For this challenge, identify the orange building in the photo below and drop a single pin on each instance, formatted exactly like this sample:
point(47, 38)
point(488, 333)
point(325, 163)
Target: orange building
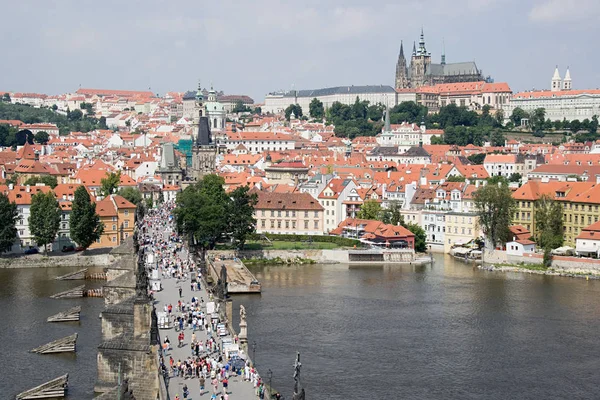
point(118, 216)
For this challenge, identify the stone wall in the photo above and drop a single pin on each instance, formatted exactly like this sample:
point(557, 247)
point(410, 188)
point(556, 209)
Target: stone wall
point(72, 260)
point(115, 324)
point(571, 264)
point(320, 256)
point(114, 295)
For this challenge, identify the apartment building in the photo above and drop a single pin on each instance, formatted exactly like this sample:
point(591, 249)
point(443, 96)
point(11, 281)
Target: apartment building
point(332, 200)
point(118, 216)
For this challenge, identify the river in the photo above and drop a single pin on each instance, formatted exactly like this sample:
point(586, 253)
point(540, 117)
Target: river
point(24, 307)
point(447, 331)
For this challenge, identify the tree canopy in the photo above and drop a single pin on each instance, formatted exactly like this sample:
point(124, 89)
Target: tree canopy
point(44, 219)
point(110, 183)
point(293, 108)
point(47, 180)
point(85, 224)
point(8, 222)
point(316, 109)
point(549, 223)
point(420, 236)
point(41, 137)
point(370, 209)
point(495, 208)
point(206, 214)
point(131, 194)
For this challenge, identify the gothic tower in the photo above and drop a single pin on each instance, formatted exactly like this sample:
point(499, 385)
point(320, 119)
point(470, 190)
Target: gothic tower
point(420, 64)
point(401, 70)
point(204, 150)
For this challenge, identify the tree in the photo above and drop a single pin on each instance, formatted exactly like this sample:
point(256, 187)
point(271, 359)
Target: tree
point(202, 212)
point(515, 177)
point(594, 125)
point(102, 123)
point(293, 108)
point(456, 178)
point(54, 107)
point(316, 109)
point(370, 209)
point(75, 115)
point(499, 118)
point(41, 137)
point(549, 223)
point(110, 183)
point(24, 136)
point(575, 126)
point(6, 98)
point(149, 203)
point(241, 215)
point(495, 208)
point(8, 222)
point(517, 115)
point(44, 219)
point(537, 119)
point(420, 237)
point(393, 212)
point(477, 159)
point(131, 194)
point(47, 180)
point(85, 224)
point(437, 140)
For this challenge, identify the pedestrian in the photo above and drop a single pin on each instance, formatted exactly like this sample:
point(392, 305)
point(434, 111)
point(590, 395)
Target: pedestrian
point(225, 383)
point(202, 382)
point(185, 391)
point(180, 291)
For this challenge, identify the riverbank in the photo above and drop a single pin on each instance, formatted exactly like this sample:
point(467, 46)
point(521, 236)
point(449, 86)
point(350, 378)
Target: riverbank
point(56, 260)
point(538, 269)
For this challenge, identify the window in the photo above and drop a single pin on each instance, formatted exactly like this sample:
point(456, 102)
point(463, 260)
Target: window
point(287, 213)
point(316, 224)
point(272, 213)
point(316, 214)
point(305, 224)
point(114, 219)
point(272, 224)
point(126, 213)
point(114, 228)
point(126, 235)
point(287, 224)
point(279, 213)
point(305, 214)
point(114, 239)
point(293, 224)
point(279, 224)
point(262, 213)
point(262, 223)
point(126, 223)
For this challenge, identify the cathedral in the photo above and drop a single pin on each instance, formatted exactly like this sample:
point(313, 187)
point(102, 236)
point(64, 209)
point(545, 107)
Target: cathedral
point(422, 72)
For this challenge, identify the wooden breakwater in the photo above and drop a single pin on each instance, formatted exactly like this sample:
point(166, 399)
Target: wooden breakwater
point(56, 388)
point(72, 314)
point(62, 345)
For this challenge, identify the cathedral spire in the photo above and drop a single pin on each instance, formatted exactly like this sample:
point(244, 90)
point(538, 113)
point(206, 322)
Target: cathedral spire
point(401, 55)
point(556, 81)
point(422, 49)
point(443, 52)
point(414, 52)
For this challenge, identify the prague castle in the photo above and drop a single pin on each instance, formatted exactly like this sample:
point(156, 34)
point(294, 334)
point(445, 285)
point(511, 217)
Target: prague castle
point(422, 72)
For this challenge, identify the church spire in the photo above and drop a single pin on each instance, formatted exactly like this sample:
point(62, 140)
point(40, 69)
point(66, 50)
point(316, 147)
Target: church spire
point(401, 55)
point(556, 81)
point(443, 52)
point(422, 49)
point(414, 52)
point(567, 80)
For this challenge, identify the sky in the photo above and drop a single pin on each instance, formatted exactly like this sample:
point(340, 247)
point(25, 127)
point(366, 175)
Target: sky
point(255, 47)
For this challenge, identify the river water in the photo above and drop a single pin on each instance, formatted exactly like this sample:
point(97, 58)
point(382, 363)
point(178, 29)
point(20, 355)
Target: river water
point(444, 332)
point(24, 307)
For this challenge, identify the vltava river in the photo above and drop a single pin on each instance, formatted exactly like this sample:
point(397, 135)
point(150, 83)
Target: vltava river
point(444, 332)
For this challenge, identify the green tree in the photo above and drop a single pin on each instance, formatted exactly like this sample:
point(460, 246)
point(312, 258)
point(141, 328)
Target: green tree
point(8, 222)
point(495, 208)
point(6, 98)
point(85, 224)
point(370, 209)
point(44, 220)
point(477, 159)
point(47, 180)
point(201, 212)
point(240, 215)
point(395, 216)
point(575, 125)
point(54, 107)
point(517, 115)
point(456, 178)
point(24, 136)
point(437, 140)
point(549, 223)
point(110, 183)
point(75, 115)
point(149, 202)
point(316, 109)
point(131, 194)
point(515, 177)
point(293, 108)
point(537, 119)
point(41, 137)
point(594, 125)
point(499, 118)
point(420, 237)
point(102, 123)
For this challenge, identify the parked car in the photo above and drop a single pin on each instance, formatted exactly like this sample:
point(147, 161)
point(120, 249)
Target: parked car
point(67, 249)
point(32, 250)
point(79, 248)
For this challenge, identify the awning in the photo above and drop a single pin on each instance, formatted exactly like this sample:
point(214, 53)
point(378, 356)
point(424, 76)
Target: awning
point(460, 251)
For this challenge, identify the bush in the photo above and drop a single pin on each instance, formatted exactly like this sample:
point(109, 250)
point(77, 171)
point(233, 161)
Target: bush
point(341, 241)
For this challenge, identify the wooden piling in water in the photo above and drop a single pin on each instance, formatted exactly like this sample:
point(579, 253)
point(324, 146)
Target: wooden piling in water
point(56, 388)
point(72, 314)
point(69, 294)
point(63, 345)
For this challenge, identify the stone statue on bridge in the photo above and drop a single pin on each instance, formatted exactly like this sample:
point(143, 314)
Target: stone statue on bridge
point(222, 283)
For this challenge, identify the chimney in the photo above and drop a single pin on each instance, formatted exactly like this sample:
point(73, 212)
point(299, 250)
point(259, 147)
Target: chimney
point(28, 188)
point(36, 156)
point(64, 196)
point(11, 186)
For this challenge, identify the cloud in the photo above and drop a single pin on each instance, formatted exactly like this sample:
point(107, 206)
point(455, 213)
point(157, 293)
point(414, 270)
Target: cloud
point(563, 11)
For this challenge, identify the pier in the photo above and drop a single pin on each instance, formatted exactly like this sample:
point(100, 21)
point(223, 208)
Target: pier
point(70, 293)
point(385, 256)
point(239, 277)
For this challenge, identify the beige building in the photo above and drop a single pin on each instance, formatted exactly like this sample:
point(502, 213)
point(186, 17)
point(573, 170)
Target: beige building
point(288, 213)
point(461, 228)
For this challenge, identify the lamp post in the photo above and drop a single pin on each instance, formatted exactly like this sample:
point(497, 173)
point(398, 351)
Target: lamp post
point(270, 383)
point(254, 352)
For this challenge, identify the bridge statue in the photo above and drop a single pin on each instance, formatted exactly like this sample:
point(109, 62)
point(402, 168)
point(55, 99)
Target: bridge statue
point(222, 283)
point(298, 389)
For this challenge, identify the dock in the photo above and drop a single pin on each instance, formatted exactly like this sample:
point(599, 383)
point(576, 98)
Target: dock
point(56, 388)
point(70, 294)
point(239, 277)
point(63, 345)
point(381, 256)
point(72, 314)
point(77, 275)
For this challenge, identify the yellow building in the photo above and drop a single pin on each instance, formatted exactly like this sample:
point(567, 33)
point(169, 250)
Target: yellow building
point(118, 216)
point(288, 213)
point(461, 228)
point(580, 202)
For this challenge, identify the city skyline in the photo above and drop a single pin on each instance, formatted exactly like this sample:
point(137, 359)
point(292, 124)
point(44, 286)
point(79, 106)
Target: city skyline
point(267, 46)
